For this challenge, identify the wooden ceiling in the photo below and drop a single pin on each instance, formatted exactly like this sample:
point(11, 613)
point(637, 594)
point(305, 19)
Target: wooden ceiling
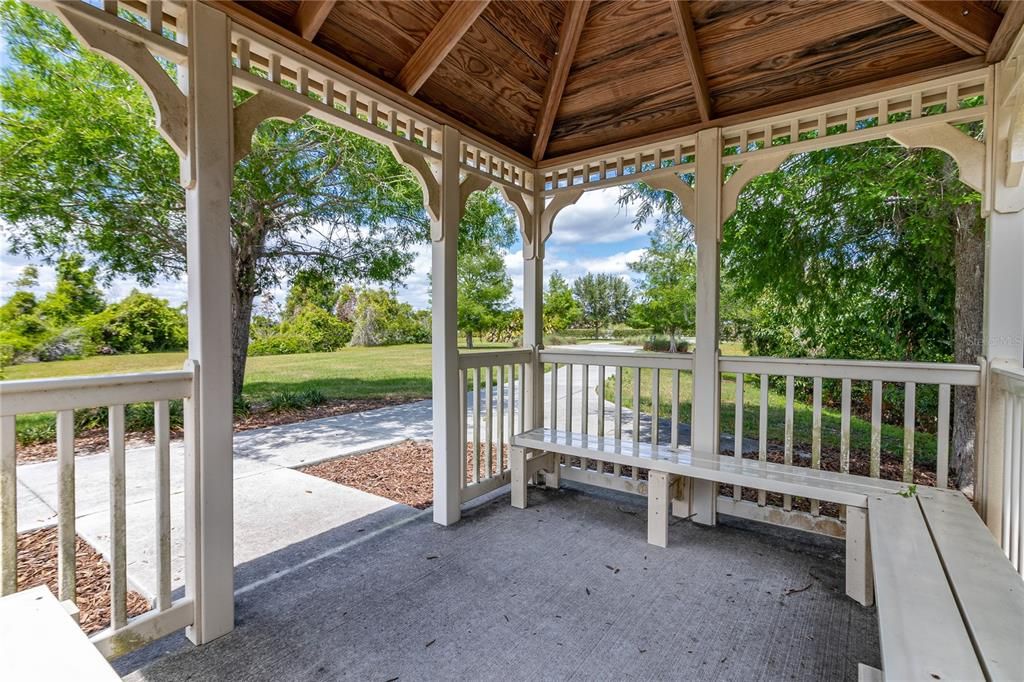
point(550, 78)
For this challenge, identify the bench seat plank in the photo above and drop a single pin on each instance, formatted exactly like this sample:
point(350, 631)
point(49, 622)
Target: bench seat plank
point(40, 641)
point(920, 629)
point(801, 481)
point(990, 593)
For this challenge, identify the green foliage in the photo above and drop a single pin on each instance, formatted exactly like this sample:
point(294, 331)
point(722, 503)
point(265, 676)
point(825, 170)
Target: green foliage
point(287, 401)
point(561, 311)
point(141, 323)
point(603, 299)
point(310, 288)
point(484, 290)
point(381, 320)
point(668, 288)
point(76, 294)
point(310, 330)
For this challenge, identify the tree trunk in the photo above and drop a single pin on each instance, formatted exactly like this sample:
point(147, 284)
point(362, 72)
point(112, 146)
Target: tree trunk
point(672, 341)
point(469, 339)
point(246, 256)
point(968, 327)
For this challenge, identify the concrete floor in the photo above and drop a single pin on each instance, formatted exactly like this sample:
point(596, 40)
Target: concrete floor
point(567, 589)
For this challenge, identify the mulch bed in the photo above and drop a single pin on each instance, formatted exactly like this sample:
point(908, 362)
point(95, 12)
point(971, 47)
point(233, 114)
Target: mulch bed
point(94, 441)
point(403, 473)
point(37, 565)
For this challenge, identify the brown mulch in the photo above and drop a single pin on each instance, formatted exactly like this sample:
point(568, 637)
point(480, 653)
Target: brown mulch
point(94, 441)
point(403, 472)
point(37, 565)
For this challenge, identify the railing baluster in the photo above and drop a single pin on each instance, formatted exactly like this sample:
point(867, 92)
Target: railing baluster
point(118, 528)
point(463, 420)
point(162, 466)
point(489, 416)
point(637, 377)
point(66, 505)
point(675, 408)
point(155, 14)
point(737, 431)
point(585, 411)
point(1015, 475)
point(1010, 410)
point(553, 406)
point(616, 468)
point(501, 420)
point(512, 400)
point(600, 400)
point(844, 438)
point(568, 396)
point(876, 428)
point(523, 369)
point(816, 436)
point(762, 439)
point(942, 447)
point(787, 500)
point(476, 425)
point(8, 507)
point(909, 420)
point(655, 404)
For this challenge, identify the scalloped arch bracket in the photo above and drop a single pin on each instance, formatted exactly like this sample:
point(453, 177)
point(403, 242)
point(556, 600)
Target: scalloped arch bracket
point(968, 153)
point(257, 109)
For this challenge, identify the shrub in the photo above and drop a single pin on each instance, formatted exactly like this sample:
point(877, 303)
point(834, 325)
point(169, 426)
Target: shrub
point(312, 330)
point(283, 401)
point(662, 344)
point(64, 345)
point(381, 320)
point(141, 323)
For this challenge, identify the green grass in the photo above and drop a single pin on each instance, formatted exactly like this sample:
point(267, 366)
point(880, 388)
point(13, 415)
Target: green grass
point(394, 372)
point(860, 429)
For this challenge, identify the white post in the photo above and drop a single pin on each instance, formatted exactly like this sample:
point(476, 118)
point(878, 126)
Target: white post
point(533, 310)
point(448, 451)
point(1004, 284)
point(704, 429)
point(207, 175)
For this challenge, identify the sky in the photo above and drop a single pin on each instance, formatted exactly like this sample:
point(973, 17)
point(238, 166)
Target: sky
point(594, 235)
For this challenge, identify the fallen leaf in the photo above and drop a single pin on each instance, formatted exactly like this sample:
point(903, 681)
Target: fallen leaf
point(429, 643)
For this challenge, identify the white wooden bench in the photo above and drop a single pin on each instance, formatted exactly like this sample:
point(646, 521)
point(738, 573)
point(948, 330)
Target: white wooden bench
point(40, 641)
point(950, 606)
point(668, 469)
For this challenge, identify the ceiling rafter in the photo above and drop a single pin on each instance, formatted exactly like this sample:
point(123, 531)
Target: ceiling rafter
point(568, 39)
point(1010, 26)
point(688, 37)
point(311, 15)
point(438, 43)
point(967, 24)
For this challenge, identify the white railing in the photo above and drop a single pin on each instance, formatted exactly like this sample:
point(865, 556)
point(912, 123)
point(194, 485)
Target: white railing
point(114, 392)
point(1003, 474)
point(576, 401)
point(493, 402)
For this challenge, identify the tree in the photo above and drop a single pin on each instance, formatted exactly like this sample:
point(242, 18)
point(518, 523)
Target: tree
point(561, 311)
point(308, 196)
point(310, 288)
point(603, 299)
point(382, 320)
point(484, 288)
point(76, 294)
point(141, 323)
point(668, 289)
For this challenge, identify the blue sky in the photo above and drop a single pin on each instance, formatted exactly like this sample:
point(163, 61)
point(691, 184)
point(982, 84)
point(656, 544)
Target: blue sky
point(595, 235)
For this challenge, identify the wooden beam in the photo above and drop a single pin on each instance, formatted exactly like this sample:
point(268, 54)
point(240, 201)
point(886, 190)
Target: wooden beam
point(432, 51)
point(311, 15)
point(1009, 28)
point(569, 38)
point(688, 37)
point(966, 23)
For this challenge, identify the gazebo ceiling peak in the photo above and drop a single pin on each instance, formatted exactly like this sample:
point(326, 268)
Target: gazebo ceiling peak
point(549, 81)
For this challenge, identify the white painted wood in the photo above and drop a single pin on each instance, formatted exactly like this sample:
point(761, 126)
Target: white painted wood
point(658, 508)
point(876, 429)
point(675, 407)
point(618, 402)
point(866, 673)
point(209, 502)
point(162, 500)
point(762, 439)
point(8, 507)
point(601, 402)
point(644, 359)
point(737, 432)
point(118, 527)
point(857, 370)
point(920, 628)
point(844, 427)
point(655, 404)
point(859, 585)
point(637, 378)
point(488, 423)
point(66, 506)
point(554, 396)
point(816, 435)
point(38, 641)
point(144, 629)
point(477, 437)
point(585, 402)
point(942, 436)
point(519, 478)
point(492, 358)
point(463, 424)
point(988, 590)
point(787, 501)
point(71, 393)
point(909, 423)
point(567, 400)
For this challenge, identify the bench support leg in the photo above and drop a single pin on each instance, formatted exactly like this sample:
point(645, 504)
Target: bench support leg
point(552, 471)
point(519, 478)
point(859, 581)
point(659, 500)
point(704, 502)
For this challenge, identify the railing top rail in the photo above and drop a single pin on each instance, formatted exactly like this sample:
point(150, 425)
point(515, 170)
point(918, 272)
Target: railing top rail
point(922, 372)
point(68, 393)
point(1008, 370)
point(489, 358)
point(624, 358)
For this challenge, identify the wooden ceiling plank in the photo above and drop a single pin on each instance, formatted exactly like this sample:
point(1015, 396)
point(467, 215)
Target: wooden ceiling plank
point(569, 38)
point(432, 51)
point(1010, 26)
point(966, 23)
point(311, 15)
point(688, 37)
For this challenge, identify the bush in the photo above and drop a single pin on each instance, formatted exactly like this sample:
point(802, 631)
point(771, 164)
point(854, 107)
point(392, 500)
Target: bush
point(141, 323)
point(65, 345)
point(284, 401)
point(312, 330)
point(662, 344)
point(381, 320)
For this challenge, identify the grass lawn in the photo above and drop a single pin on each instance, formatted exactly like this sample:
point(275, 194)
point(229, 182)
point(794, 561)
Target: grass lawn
point(860, 429)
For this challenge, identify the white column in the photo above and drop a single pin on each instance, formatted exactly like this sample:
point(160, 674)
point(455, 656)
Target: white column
point(207, 174)
point(448, 450)
point(533, 310)
point(704, 429)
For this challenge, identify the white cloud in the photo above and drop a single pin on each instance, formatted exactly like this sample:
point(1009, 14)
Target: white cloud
point(596, 219)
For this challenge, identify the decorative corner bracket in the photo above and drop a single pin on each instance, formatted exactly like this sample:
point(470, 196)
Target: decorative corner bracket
point(169, 102)
point(543, 222)
point(257, 109)
point(428, 176)
point(968, 153)
point(759, 165)
point(672, 182)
